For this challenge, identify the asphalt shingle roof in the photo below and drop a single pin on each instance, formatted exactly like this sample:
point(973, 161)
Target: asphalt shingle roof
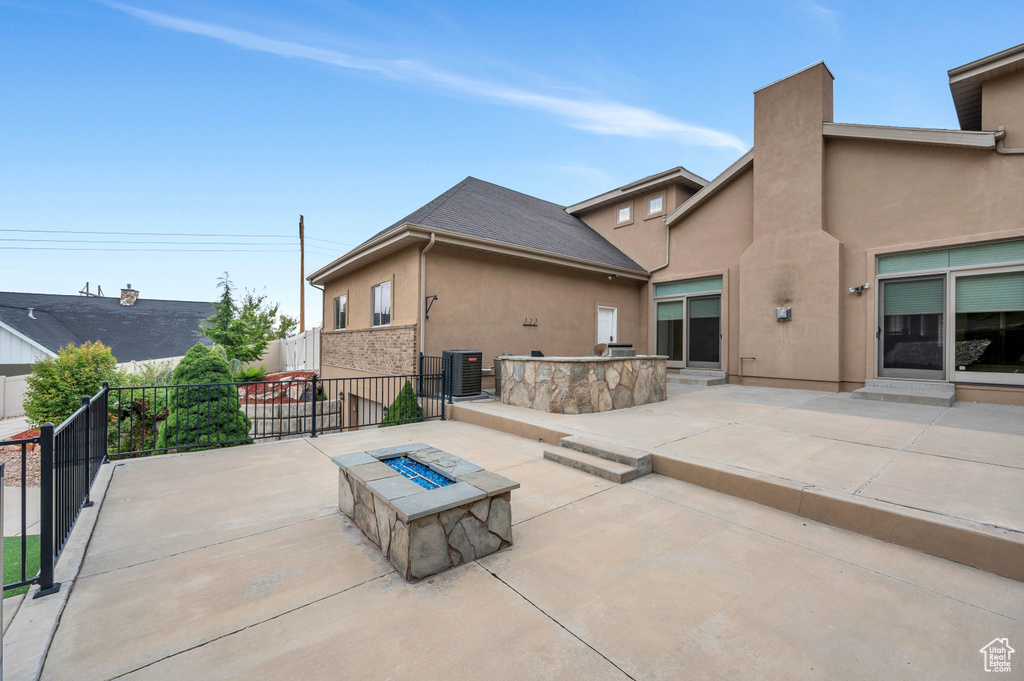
point(489, 211)
point(149, 329)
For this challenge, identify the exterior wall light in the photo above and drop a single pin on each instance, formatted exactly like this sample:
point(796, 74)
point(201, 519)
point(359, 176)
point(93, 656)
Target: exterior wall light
point(859, 289)
point(784, 314)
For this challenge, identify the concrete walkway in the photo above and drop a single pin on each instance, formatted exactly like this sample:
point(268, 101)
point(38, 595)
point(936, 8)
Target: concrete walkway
point(236, 564)
point(12, 511)
point(964, 461)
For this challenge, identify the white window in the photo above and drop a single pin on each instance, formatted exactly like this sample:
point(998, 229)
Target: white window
point(607, 324)
point(340, 310)
point(625, 213)
point(654, 205)
point(382, 304)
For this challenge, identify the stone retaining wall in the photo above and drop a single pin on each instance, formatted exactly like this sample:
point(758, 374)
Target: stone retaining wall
point(585, 385)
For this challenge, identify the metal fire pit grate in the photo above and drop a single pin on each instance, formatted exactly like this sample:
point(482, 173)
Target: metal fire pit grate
point(418, 473)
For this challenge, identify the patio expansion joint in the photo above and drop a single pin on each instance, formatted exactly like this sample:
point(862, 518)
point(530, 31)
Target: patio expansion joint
point(899, 453)
point(568, 503)
point(837, 558)
point(556, 622)
point(249, 626)
point(206, 546)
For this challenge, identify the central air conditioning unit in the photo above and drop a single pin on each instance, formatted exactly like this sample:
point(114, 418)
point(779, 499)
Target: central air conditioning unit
point(465, 369)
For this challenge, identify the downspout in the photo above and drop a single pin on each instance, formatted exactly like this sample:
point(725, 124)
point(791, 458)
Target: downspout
point(1000, 134)
point(668, 232)
point(423, 291)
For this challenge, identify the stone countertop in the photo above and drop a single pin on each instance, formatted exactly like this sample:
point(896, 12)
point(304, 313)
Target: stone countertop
point(525, 358)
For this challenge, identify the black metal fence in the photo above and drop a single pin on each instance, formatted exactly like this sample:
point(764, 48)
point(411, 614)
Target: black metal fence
point(70, 456)
point(153, 419)
point(122, 422)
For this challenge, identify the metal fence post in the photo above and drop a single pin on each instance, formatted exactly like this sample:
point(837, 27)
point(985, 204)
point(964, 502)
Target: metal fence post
point(313, 407)
point(46, 516)
point(87, 403)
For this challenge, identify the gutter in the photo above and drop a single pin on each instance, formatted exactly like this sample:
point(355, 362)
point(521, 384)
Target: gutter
point(423, 290)
point(1000, 135)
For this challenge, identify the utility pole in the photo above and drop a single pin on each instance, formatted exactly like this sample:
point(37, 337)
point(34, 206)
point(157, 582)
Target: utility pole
point(302, 276)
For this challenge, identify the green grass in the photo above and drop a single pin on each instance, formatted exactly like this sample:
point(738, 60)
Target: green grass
point(12, 561)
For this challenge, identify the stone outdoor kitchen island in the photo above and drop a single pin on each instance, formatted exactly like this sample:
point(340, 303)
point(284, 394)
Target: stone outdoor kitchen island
point(582, 385)
point(426, 509)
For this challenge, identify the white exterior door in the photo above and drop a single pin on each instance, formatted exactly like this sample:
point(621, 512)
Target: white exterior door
point(607, 324)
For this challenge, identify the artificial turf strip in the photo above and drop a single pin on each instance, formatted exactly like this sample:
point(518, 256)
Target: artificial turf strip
point(12, 561)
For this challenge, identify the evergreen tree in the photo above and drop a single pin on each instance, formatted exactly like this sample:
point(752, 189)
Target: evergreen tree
point(405, 408)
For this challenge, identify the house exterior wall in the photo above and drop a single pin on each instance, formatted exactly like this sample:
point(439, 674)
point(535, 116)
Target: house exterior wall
point(921, 197)
point(643, 239)
point(714, 237)
point(1002, 103)
point(483, 301)
point(17, 351)
point(362, 349)
point(806, 245)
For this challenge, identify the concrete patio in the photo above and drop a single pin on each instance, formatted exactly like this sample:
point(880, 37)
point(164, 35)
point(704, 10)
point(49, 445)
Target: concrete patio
point(236, 564)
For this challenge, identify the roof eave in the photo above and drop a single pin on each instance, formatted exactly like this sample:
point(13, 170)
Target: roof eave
point(30, 341)
point(674, 176)
point(964, 139)
point(410, 232)
point(712, 188)
point(965, 82)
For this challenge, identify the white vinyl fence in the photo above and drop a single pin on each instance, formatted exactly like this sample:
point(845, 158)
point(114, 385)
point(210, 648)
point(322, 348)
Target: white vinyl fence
point(302, 352)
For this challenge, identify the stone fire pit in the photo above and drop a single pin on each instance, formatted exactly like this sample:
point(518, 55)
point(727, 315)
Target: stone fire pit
point(426, 509)
point(582, 385)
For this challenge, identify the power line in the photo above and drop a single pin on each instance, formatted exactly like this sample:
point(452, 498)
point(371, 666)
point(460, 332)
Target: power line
point(141, 243)
point(158, 250)
point(196, 234)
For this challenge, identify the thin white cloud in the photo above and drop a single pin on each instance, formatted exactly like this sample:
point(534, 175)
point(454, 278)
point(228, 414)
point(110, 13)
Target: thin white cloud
point(601, 117)
point(823, 16)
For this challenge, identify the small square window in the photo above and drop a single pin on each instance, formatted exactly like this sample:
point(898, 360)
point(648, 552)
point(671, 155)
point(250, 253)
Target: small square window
point(340, 309)
point(625, 214)
point(654, 205)
point(382, 304)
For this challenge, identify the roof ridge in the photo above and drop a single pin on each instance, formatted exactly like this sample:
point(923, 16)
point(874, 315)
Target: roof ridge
point(445, 197)
point(84, 297)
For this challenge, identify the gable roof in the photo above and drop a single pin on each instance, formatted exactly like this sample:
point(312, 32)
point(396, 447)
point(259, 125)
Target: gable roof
point(483, 210)
point(149, 329)
point(677, 175)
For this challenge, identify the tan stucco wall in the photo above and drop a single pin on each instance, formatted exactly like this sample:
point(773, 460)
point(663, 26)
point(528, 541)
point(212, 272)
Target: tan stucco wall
point(711, 241)
point(644, 239)
point(1002, 103)
point(402, 269)
point(791, 262)
point(484, 299)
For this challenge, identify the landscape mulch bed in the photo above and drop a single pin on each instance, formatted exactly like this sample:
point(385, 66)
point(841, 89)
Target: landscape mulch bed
point(282, 388)
point(11, 457)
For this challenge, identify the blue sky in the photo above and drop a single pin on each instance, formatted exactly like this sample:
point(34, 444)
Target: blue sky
point(232, 118)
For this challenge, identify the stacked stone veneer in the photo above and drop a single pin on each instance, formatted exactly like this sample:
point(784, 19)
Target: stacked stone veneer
point(423, 532)
point(582, 385)
point(383, 349)
point(293, 419)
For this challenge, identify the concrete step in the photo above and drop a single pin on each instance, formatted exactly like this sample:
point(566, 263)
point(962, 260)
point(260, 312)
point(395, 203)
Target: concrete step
point(639, 460)
point(588, 463)
point(701, 377)
point(928, 393)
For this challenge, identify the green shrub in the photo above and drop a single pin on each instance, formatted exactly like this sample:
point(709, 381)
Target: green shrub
point(251, 374)
point(202, 417)
point(56, 384)
point(405, 408)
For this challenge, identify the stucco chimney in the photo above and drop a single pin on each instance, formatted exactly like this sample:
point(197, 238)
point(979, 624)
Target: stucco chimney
point(129, 295)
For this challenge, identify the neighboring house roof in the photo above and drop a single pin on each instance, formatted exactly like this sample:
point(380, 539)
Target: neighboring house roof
point(677, 175)
point(149, 329)
point(487, 213)
point(965, 82)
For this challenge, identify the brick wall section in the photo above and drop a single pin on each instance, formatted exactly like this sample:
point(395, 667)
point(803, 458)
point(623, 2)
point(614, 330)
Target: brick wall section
point(385, 350)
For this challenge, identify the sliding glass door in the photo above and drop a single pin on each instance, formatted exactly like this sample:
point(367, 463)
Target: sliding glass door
point(911, 328)
point(704, 332)
point(989, 327)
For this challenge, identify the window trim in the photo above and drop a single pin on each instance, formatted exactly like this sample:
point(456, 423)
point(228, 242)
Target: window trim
point(647, 205)
point(632, 215)
point(345, 304)
point(391, 307)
